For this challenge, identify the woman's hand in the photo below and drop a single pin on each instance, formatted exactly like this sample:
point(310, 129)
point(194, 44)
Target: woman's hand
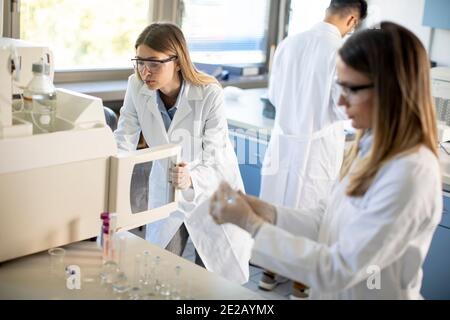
point(180, 176)
point(263, 209)
point(228, 206)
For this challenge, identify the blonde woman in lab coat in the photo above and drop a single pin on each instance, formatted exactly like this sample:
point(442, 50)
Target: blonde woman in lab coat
point(171, 102)
point(371, 238)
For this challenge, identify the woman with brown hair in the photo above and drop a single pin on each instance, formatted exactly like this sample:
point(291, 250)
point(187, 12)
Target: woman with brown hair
point(370, 239)
point(171, 102)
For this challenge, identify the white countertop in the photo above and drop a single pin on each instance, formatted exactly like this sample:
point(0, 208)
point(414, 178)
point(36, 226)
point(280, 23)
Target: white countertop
point(30, 277)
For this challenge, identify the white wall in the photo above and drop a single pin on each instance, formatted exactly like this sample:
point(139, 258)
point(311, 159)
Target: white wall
point(409, 13)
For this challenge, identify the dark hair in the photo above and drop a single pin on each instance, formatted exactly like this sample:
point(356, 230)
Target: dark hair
point(396, 62)
point(344, 7)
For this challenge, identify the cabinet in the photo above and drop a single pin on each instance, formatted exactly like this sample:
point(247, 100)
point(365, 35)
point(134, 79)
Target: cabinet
point(250, 148)
point(436, 268)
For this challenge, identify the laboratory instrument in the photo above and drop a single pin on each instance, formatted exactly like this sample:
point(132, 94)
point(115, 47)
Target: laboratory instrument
point(54, 185)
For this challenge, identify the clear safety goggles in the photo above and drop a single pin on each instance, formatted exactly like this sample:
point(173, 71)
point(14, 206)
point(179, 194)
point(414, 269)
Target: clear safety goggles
point(354, 93)
point(152, 65)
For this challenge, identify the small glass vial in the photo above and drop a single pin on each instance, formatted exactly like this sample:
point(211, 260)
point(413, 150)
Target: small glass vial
point(178, 285)
point(136, 291)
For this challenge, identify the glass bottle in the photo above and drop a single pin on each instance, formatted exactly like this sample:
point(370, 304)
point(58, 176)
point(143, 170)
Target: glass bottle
point(39, 98)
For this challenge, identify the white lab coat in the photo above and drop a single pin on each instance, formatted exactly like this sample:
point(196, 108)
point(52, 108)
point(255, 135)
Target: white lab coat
point(371, 247)
point(306, 148)
point(200, 126)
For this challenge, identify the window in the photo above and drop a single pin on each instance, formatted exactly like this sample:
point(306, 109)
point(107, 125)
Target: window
point(304, 14)
point(226, 31)
point(95, 34)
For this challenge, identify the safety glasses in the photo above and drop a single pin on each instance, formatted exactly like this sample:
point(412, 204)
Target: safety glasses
point(153, 65)
point(353, 93)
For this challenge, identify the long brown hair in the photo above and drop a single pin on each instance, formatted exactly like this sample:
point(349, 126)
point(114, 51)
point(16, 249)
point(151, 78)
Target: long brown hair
point(404, 115)
point(169, 39)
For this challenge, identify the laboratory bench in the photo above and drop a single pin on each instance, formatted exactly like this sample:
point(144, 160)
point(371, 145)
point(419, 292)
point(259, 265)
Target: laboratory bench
point(34, 277)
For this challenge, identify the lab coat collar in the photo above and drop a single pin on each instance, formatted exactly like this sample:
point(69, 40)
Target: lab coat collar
point(183, 106)
point(162, 107)
point(189, 93)
point(325, 26)
point(193, 92)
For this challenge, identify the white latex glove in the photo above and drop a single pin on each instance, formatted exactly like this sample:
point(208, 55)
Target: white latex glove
point(228, 206)
point(263, 209)
point(180, 176)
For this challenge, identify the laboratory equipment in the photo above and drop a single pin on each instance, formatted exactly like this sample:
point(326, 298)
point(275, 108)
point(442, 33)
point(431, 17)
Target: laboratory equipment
point(142, 283)
point(269, 109)
point(54, 185)
point(103, 238)
point(110, 270)
point(440, 81)
point(165, 276)
point(39, 99)
point(57, 267)
point(135, 290)
point(122, 282)
point(178, 286)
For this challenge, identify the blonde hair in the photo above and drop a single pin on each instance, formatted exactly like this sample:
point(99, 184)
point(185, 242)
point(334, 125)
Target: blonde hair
point(404, 114)
point(169, 39)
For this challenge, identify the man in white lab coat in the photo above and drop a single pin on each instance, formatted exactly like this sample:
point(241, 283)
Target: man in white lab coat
point(307, 144)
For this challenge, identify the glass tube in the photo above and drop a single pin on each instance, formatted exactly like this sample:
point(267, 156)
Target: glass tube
point(147, 276)
point(57, 267)
point(165, 281)
point(135, 291)
point(121, 283)
point(178, 285)
point(156, 274)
